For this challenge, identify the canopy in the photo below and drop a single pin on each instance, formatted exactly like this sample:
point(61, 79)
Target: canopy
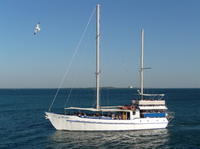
point(100, 110)
point(151, 102)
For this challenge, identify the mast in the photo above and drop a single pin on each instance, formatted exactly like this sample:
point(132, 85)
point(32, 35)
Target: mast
point(142, 64)
point(97, 54)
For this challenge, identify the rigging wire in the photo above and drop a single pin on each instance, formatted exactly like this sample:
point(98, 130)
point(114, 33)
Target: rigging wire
point(71, 61)
point(67, 99)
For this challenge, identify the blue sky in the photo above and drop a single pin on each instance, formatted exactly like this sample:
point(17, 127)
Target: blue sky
point(172, 43)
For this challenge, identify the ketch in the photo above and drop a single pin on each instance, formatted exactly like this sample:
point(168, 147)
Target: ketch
point(149, 111)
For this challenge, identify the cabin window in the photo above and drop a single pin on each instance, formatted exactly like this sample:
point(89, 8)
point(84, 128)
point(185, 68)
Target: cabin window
point(128, 115)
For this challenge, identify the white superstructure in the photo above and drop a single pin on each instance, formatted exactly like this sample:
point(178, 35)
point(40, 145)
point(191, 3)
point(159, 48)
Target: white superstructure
point(140, 114)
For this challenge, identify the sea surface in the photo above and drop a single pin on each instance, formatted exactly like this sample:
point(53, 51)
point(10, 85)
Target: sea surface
point(23, 125)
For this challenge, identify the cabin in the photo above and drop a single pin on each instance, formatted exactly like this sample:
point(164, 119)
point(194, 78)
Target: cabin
point(138, 109)
point(151, 108)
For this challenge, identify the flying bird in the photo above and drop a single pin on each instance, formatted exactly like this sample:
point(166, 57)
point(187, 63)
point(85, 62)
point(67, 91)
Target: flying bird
point(37, 28)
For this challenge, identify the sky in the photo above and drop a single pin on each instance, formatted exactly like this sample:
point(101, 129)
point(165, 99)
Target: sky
point(172, 43)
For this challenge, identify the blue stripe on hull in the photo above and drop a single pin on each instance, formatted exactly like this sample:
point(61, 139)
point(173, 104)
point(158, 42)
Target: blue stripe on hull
point(112, 123)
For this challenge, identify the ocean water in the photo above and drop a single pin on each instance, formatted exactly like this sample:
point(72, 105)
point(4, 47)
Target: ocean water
point(23, 126)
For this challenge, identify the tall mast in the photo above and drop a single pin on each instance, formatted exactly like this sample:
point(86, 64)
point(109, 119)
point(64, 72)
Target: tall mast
point(142, 64)
point(97, 54)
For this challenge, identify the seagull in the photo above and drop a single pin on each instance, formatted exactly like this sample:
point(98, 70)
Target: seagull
point(37, 28)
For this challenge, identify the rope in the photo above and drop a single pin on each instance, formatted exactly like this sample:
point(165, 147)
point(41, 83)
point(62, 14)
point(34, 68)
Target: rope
point(67, 99)
point(70, 64)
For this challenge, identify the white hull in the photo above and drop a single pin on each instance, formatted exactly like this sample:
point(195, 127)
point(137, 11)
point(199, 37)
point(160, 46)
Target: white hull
point(76, 123)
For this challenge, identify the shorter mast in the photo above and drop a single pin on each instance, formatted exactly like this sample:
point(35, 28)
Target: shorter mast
point(142, 65)
point(97, 55)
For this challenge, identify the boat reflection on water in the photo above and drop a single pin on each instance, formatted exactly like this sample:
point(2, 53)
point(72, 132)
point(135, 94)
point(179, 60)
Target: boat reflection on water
point(130, 139)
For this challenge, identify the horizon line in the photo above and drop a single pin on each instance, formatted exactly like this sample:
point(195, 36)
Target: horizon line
point(106, 87)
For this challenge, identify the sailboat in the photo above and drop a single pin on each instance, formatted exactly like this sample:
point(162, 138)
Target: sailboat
point(143, 113)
